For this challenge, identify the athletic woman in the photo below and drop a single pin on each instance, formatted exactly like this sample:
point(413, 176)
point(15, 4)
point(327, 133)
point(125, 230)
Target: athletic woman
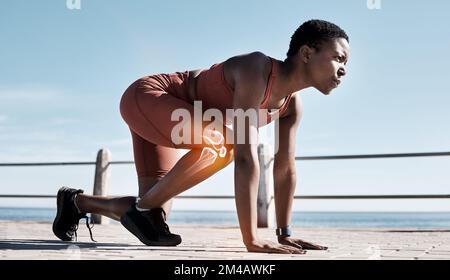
point(252, 82)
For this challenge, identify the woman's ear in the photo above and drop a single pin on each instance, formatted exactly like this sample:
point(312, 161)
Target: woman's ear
point(305, 53)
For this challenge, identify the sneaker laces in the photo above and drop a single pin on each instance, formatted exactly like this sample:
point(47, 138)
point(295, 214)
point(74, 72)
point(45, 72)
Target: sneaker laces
point(89, 227)
point(160, 220)
point(82, 216)
point(74, 228)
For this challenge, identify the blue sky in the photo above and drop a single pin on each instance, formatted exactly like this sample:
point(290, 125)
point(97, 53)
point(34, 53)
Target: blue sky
point(62, 73)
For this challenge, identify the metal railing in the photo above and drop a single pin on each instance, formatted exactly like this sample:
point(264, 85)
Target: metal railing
point(265, 192)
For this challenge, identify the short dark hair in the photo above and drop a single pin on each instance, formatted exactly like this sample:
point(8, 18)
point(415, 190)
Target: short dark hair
point(313, 33)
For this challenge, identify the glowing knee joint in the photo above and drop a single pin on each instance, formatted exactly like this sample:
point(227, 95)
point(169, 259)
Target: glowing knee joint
point(207, 158)
point(217, 141)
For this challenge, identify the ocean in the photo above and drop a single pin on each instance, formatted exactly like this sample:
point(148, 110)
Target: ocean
point(419, 220)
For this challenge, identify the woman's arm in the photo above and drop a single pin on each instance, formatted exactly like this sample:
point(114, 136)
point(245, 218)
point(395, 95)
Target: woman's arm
point(249, 92)
point(246, 174)
point(285, 173)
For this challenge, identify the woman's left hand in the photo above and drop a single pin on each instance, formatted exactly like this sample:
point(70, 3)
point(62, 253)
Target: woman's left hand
point(298, 243)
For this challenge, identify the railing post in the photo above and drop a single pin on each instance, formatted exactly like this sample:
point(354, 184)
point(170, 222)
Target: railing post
point(266, 205)
point(101, 180)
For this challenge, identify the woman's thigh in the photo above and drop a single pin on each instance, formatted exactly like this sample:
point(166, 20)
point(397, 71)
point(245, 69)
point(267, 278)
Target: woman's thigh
point(147, 109)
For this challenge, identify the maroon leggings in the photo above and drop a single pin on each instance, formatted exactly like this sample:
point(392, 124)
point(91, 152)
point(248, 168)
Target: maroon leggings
point(146, 106)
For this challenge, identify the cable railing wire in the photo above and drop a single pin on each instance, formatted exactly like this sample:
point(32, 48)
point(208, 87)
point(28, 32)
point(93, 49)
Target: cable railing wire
point(333, 157)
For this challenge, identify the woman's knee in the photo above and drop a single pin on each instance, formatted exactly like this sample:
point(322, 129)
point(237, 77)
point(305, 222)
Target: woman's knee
point(227, 156)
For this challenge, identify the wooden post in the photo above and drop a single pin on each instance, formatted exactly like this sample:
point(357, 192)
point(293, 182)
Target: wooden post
point(101, 180)
point(266, 205)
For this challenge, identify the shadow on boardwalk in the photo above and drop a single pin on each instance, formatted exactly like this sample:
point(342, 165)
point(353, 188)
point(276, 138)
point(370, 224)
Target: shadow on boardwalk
point(32, 240)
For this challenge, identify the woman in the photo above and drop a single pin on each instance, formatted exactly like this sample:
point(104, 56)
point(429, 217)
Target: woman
point(253, 82)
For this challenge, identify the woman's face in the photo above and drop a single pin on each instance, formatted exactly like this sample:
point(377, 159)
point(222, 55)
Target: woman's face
point(326, 66)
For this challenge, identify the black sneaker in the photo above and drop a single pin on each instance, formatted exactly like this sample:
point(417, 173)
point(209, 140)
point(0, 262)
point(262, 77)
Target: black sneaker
point(65, 225)
point(149, 226)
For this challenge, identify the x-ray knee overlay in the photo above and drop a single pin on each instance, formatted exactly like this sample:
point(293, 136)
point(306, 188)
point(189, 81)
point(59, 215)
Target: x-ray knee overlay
point(222, 151)
point(209, 155)
point(207, 158)
point(216, 140)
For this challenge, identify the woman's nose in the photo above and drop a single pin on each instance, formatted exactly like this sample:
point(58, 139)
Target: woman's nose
point(342, 71)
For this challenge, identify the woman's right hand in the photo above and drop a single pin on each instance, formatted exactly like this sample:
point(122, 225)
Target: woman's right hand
point(265, 246)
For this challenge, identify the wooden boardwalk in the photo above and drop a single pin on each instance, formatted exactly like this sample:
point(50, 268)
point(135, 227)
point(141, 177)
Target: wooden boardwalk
point(33, 240)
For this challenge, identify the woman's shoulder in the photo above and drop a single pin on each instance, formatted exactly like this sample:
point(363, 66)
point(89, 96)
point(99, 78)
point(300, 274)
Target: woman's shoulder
point(254, 60)
point(255, 64)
